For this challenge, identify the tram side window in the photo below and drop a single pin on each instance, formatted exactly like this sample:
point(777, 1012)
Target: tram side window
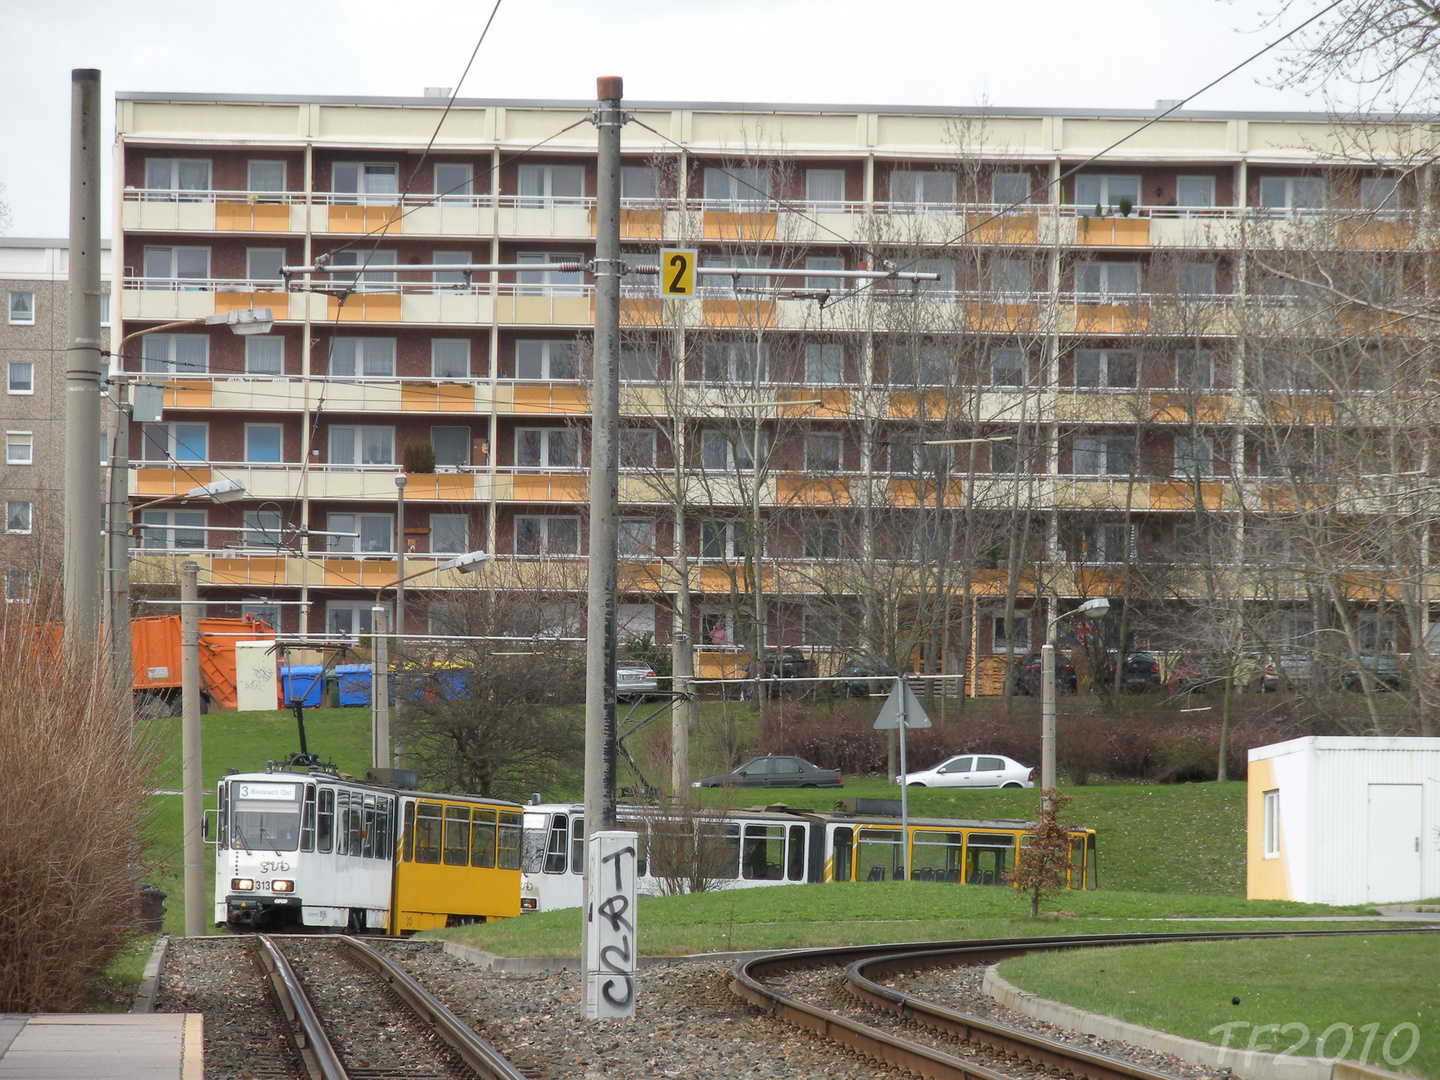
point(577, 846)
point(342, 822)
point(429, 823)
point(795, 854)
point(325, 828)
point(507, 839)
point(642, 849)
point(357, 824)
point(878, 857)
point(844, 842)
point(719, 850)
point(936, 856)
point(457, 835)
point(989, 858)
point(384, 843)
point(408, 847)
point(307, 820)
point(222, 817)
point(555, 846)
point(764, 853)
point(482, 838)
point(1075, 872)
point(367, 833)
point(1090, 861)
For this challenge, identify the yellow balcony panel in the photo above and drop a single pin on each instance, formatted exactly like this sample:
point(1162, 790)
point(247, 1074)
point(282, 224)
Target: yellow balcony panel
point(1299, 408)
point(720, 665)
point(640, 488)
point(638, 224)
point(1112, 232)
point(645, 311)
point(908, 406)
point(1097, 495)
point(1181, 495)
point(548, 487)
point(1018, 228)
point(748, 314)
point(278, 302)
point(1174, 407)
point(834, 404)
point(993, 582)
point(1361, 587)
point(363, 219)
point(903, 492)
point(440, 487)
point(640, 577)
point(715, 579)
point(1375, 235)
point(1003, 318)
point(812, 491)
point(364, 307)
point(1099, 580)
point(1111, 318)
point(357, 573)
point(167, 305)
point(188, 394)
point(159, 482)
point(547, 398)
point(639, 400)
point(437, 397)
point(248, 570)
point(738, 225)
point(252, 216)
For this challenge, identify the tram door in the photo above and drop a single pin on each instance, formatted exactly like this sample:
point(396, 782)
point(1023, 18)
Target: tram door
point(989, 858)
point(842, 866)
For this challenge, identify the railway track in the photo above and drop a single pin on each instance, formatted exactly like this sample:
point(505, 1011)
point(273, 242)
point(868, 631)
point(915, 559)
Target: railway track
point(346, 1029)
point(956, 1045)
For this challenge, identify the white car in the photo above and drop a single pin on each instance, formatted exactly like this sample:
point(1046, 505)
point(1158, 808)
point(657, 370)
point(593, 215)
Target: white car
point(974, 770)
point(633, 679)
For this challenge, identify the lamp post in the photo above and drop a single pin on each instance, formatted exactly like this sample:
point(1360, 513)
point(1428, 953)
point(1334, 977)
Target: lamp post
point(468, 563)
point(1098, 606)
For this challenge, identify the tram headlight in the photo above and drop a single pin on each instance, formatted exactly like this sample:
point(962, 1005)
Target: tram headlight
point(242, 884)
point(281, 885)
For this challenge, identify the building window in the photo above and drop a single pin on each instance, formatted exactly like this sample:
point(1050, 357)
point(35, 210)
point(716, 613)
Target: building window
point(263, 443)
point(822, 452)
point(369, 183)
point(1195, 369)
point(264, 264)
point(543, 187)
point(928, 365)
point(547, 447)
point(1008, 367)
point(449, 358)
point(824, 364)
point(17, 586)
point(169, 530)
point(1195, 191)
point(1379, 194)
point(920, 191)
point(1109, 543)
point(269, 614)
point(734, 361)
point(724, 539)
point(365, 358)
point(265, 354)
point(104, 309)
point(175, 176)
point(17, 517)
point(459, 278)
point(22, 308)
point(262, 530)
point(823, 263)
point(376, 534)
point(1009, 188)
point(451, 446)
point(350, 619)
point(1195, 279)
point(454, 180)
point(547, 535)
point(541, 360)
point(909, 454)
point(639, 363)
point(265, 175)
point(1105, 368)
point(736, 189)
point(1098, 281)
point(449, 534)
point(1019, 639)
point(175, 354)
point(637, 449)
point(373, 279)
point(175, 442)
point(1007, 454)
point(1270, 828)
point(549, 282)
point(722, 451)
point(351, 446)
point(22, 377)
point(822, 627)
point(636, 536)
point(1112, 456)
point(1103, 192)
point(19, 448)
point(825, 190)
point(715, 628)
point(820, 540)
point(172, 267)
point(1292, 195)
point(633, 621)
point(730, 284)
point(639, 184)
point(1009, 277)
point(1193, 456)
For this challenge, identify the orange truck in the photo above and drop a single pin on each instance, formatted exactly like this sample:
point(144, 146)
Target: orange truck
point(155, 661)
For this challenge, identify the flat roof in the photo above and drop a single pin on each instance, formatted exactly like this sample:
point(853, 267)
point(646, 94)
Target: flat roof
point(1345, 743)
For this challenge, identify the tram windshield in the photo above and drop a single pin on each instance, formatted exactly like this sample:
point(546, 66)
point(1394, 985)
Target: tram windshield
point(265, 816)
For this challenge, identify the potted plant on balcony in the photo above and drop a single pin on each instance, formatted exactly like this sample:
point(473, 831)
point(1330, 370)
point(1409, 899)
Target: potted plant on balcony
point(418, 457)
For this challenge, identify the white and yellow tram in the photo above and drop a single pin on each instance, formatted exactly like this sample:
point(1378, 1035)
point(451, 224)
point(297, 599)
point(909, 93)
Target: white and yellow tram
point(780, 846)
point(313, 850)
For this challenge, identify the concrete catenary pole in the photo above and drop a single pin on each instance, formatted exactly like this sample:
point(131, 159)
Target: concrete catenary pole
point(84, 554)
point(192, 805)
point(1047, 718)
point(397, 747)
point(604, 476)
point(379, 690)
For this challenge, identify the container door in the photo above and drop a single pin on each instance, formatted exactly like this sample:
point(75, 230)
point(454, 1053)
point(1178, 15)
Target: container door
point(1393, 869)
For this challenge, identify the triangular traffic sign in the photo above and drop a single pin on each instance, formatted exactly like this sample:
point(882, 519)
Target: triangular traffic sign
point(889, 718)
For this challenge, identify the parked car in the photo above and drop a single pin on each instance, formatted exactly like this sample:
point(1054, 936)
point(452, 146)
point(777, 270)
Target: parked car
point(974, 770)
point(634, 679)
point(1141, 673)
point(774, 771)
point(866, 677)
point(1284, 670)
point(1027, 674)
point(1386, 671)
point(1195, 673)
point(782, 663)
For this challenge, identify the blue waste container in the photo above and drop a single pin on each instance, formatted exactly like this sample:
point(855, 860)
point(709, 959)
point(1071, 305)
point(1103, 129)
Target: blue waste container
point(303, 681)
point(353, 681)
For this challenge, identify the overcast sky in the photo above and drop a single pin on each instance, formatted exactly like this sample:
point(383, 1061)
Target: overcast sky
point(1059, 53)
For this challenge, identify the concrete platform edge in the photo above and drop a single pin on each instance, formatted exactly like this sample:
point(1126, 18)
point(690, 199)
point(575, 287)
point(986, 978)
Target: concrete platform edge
point(1247, 1064)
point(150, 980)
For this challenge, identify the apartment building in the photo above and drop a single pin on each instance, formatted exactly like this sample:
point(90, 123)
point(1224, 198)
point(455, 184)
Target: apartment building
point(1183, 371)
point(33, 339)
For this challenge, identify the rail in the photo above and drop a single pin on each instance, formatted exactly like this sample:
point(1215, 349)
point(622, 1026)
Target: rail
point(319, 1055)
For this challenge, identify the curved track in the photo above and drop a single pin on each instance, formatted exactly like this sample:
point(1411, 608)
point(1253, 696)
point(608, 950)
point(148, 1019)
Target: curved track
point(309, 1032)
point(863, 964)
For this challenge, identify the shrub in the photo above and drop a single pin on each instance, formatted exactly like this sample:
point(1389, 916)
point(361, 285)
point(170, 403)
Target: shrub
point(72, 797)
point(418, 457)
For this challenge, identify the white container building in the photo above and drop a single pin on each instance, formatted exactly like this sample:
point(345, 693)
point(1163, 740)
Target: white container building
point(1342, 820)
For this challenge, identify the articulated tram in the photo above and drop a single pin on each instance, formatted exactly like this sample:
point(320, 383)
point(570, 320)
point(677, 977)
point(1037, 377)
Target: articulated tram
point(782, 846)
point(310, 849)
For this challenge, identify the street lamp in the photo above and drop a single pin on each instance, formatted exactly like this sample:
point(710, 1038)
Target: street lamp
point(1097, 607)
point(467, 563)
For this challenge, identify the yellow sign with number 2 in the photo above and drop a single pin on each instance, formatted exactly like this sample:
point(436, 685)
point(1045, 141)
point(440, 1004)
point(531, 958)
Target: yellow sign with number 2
point(677, 272)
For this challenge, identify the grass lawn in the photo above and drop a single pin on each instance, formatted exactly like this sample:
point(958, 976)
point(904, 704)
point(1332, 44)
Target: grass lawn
point(797, 916)
point(1361, 987)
